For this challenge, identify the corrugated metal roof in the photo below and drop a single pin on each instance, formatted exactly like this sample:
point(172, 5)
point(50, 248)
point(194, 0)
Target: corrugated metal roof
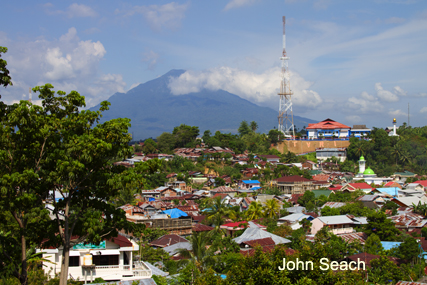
point(350, 237)
point(333, 204)
point(335, 220)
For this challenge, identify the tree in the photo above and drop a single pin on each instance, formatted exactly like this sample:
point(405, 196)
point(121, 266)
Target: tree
point(166, 142)
point(185, 134)
point(5, 78)
point(199, 254)
point(150, 146)
point(79, 167)
point(244, 128)
point(409, 249)
point(254, 126)
point(271, 208)
point(24, 221)
point(379, 224)
point(373, 245)
point(255, 211)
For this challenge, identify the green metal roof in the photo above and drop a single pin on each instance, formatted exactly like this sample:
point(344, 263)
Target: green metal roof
point(405, 173)
point(318, 193)
point(314, 172)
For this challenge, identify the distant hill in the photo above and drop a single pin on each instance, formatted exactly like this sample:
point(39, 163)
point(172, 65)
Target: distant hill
point(154, 110)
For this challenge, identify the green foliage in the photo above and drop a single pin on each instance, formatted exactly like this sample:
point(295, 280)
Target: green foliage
point(5, 78)
point(150, 146)
point(152, 255)
point(166, 142)
point(307, 197)
point(244, 128)
point(384, 271)
point(410, 249)
point(373, 245)
point(386, 154)
point(381, 226)
point(185, 134)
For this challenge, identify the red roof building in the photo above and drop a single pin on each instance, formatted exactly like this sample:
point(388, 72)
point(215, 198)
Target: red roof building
point(327, 128)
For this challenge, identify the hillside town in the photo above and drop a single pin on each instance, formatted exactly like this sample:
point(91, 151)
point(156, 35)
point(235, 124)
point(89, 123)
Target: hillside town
point(208, 213)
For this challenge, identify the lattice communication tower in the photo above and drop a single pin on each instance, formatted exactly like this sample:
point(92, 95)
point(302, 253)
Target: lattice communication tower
point(286, 117)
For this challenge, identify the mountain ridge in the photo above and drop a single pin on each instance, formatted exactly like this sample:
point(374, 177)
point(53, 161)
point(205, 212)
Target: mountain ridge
point(153, 109)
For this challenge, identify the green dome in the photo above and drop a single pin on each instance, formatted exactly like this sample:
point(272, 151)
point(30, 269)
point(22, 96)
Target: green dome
point(369, 171)
point(362, 158)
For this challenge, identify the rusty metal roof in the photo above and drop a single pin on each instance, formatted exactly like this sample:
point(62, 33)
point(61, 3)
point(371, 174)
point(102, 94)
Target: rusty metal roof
point(350, 237)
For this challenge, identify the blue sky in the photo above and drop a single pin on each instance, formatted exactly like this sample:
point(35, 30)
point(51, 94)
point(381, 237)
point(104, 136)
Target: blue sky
point(357, 62)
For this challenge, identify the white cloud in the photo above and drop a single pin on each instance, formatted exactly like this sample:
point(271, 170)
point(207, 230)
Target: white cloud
point(133, 86)
point(423, 110)
point(258, 88)
point(321, 4)
point(397, 113)
point(73, 11)
point(80, 10)
point(238, 3)
point(384, 94)
point(354, 119)
point(68, 63)
point(168, 15)
point(151, 58)
point(394, 20)
point(364, 104)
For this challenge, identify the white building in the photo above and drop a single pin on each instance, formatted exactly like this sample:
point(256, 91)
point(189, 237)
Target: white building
point(111, 260)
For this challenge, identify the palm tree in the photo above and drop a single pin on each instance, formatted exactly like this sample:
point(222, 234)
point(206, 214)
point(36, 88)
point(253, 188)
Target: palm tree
point(255, 211)
point(200, 254)
point(254, 126)
point(271, 208)
point(217, 212)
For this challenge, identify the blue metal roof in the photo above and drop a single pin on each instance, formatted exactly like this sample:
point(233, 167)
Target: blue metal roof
point(387, 245)
point(251, 182)
point(175, 213)
point(392, 191)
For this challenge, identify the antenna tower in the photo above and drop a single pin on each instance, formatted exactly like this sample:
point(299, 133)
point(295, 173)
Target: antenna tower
point(286, 116)
point(29, 95)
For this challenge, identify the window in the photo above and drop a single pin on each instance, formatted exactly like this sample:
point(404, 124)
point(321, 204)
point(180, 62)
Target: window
point(100, 260)
point(74, 261)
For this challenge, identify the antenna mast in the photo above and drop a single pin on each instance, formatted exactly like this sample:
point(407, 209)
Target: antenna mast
point(29, 95)
point(286, 117)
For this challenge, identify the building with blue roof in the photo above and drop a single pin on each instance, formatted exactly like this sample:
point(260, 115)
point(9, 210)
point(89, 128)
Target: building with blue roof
point(175, 213)
point(248, 184)
point(391, 191)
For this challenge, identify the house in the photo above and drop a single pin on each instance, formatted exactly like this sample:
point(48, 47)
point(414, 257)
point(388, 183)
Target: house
point(409, 221)
point(422, 182)
point(269, 157)
point(294, 184)
point(223, 189)
point(248, 184)
point(323, 154)
point(253, 232)
point(359, 131)
point(393, 184)
point(308, 164)
point(350, 237)
point(409, 201)
point(110, 260)
point(167, 240)
point(293, 220)
point(371, 201)
point(338, 224)
point(177, 185)
point(327, 129)
point(333, 205)
point(351, 187)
